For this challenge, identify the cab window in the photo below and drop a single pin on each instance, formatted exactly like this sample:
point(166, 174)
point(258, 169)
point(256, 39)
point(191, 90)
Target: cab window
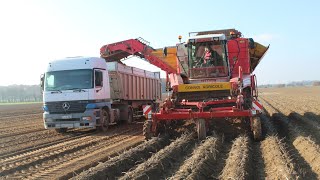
point(98, 78)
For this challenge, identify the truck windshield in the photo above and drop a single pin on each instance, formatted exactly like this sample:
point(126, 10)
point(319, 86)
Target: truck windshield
point(68, 80)
point(207, 59)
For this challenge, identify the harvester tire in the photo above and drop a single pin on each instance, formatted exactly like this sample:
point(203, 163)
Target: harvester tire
point(147, 130)
point(105, 120)
point(201, 129)
point(256, 128)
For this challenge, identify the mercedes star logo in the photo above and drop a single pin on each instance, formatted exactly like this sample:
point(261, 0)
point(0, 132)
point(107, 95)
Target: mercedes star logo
point(66, 106)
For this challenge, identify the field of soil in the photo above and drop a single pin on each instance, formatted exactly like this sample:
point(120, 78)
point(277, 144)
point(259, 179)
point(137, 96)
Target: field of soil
point(289, 150)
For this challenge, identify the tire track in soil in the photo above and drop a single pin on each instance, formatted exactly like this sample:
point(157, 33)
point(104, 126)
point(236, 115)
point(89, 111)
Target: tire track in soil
point(70, 167)
point(38, 156)
point(304, 152)
point(28, 159)
point(22, 163)
point(165, 162)
point(21, 131)
point(258, 164)
point(202, 161)
point(221, 159)
point(45, 133)
point(115, 166)
point(13, 143)
point(258, 160)
point(21, 124)
point(18, 139)
point(49, 139)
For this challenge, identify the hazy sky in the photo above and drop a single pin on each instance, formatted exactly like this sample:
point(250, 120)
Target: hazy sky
point(34, 32)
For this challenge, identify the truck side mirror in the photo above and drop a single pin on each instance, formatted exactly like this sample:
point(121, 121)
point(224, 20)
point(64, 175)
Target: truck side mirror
point(42, 81)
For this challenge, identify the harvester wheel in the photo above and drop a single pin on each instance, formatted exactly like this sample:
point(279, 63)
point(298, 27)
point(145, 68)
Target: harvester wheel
point(256, 128)
point(147, 130)
point(105, 120)
point(201, 129)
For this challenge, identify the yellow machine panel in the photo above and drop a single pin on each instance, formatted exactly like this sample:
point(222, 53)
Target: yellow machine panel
point(258, 50)
point(171, 57)
point(204, 87)
point(256, 54)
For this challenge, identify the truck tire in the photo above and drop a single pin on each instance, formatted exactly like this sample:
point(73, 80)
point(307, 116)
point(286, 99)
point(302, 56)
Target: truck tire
point(201, 129)
point(130, 115)
point(61, 130)
point(147, 130)
point(256, 128)
point(105, 120)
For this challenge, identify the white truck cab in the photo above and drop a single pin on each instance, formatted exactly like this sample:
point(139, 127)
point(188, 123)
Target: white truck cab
point(74, 91)
point(88, 92)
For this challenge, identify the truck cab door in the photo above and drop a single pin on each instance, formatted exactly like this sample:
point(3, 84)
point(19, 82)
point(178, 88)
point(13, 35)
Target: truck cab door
point(99, 84)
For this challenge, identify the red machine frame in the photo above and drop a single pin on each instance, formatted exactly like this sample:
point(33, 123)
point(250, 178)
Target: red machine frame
point(237, 49)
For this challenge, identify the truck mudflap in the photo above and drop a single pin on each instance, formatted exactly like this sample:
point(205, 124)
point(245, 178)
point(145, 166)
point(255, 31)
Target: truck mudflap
point(147, 111)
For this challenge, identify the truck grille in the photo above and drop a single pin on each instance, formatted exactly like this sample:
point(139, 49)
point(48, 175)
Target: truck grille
point(66, 107)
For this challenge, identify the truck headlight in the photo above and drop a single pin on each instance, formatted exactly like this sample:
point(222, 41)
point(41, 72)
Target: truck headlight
point(87, 118)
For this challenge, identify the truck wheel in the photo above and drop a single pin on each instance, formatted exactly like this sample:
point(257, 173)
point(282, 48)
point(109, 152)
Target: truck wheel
point(201, 129)
point(256, 128)
point(104, 123)
point(130, 115)
point(147, 130)
point(61, 130)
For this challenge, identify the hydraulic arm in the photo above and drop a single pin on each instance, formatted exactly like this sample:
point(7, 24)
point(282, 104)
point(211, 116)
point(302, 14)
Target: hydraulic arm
point(138, 47)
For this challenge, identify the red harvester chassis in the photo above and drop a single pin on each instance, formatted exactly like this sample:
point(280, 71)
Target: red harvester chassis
point(170, 114)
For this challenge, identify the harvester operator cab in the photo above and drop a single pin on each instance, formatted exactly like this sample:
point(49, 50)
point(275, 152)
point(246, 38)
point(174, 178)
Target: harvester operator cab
point(207, 56)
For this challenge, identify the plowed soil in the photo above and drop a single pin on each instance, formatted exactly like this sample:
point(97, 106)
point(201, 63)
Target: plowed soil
point(289, 150)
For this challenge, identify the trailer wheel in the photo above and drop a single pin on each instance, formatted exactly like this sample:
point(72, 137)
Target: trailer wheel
point(201, 129)
point(104, 123)
point(61, 130)
point(256, 128)
point(130, 115)
point(147, 130)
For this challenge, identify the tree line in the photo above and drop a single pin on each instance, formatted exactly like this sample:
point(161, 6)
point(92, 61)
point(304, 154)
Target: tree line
point(32, 93)
point(292, 84)
point(20, 93)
